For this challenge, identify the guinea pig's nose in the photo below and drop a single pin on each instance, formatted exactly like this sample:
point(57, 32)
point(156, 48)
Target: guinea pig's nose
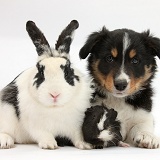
point(120, 85)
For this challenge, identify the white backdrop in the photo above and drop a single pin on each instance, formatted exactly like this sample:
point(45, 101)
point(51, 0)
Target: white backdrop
point(18, 53)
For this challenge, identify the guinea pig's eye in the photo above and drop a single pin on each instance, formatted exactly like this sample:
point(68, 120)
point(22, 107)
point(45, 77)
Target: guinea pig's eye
point(110, 133)
point(94, 117)
point(109, 59)
point(135, 60)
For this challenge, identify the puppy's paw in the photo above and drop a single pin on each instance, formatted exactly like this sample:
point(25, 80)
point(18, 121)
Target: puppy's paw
point(48, 144)
point(6, 141)
point(146, 140)
point(83, 145)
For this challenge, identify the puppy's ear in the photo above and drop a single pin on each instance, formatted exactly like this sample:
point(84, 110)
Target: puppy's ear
point(92, 40)
point(152, 43)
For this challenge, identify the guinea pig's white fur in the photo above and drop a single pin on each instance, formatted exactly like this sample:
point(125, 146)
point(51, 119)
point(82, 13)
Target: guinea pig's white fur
point(41, 117)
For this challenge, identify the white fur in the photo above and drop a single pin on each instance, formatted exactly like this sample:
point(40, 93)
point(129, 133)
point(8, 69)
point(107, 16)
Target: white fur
point(136, 125)
point(42, 119)
point(105, 136)
point(57, 54)
point(122, 75)
point(100, 125)
point(126, 42)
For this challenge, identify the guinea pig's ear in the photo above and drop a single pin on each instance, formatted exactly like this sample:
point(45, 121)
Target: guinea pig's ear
point(65, 39)
point(152, 43)
point(38, 39)
point(112, 115)
point(91, 42)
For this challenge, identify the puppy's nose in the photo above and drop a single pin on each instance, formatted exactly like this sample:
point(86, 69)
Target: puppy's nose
point(120, 85)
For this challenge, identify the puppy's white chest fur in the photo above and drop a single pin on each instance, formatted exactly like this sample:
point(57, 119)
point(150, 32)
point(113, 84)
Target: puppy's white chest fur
point(127, 115)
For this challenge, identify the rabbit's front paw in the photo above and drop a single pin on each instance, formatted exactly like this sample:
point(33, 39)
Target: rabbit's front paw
point(83, 145)
point(48, 144)
point(6, 141)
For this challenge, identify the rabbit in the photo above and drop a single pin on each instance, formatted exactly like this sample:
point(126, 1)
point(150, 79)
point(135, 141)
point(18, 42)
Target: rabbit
point(47, 100)
point(101, 127)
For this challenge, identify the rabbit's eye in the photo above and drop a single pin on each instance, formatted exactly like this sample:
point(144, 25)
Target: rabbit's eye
point(69, 75)
point(66, 74)
point(41, 71)
point(39, 77)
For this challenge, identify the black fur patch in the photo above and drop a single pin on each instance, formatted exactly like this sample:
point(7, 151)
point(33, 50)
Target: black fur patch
point(66, 44)
point(141, 100)
point(40, 75)
point(69, 73)
point(65, 38)
point(10, 96)
point(89, 127)
point(38, 38)
point(63, 141)
point(98, 93)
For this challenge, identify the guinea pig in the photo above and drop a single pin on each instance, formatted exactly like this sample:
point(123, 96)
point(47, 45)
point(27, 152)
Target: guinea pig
point(101, 127)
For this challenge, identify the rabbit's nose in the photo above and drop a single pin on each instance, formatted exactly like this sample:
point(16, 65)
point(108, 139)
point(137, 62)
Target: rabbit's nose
point(55, 96)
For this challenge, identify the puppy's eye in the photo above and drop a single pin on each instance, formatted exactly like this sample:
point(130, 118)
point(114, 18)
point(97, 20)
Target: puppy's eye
point(135, 61)
point(109, 59)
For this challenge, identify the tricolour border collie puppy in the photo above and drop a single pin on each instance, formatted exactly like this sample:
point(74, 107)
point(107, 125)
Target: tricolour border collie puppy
point(122, 64)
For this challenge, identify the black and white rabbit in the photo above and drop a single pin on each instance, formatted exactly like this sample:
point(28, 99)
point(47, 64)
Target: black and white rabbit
point(101, 127)
point(47, 100)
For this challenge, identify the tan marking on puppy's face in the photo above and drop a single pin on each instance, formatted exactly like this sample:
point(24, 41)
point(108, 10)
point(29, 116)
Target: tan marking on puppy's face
point(138, 83)
point(114, 52)
point(109, 85)
point(105, 80)
point(132, 53)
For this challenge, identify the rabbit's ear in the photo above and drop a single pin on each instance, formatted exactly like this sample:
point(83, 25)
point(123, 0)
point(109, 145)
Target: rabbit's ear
point(39, 40)
point(65, 39)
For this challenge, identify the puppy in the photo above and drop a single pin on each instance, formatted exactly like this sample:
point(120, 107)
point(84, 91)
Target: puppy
point(122, 64)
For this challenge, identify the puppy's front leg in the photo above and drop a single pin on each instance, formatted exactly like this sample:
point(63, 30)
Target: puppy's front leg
point(141, 135)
